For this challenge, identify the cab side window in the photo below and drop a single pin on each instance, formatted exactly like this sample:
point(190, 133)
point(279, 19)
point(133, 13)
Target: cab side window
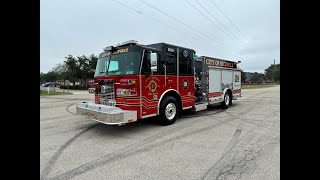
point(146, 65)
point(171, 64)
point(170, 60)
point(185, 66)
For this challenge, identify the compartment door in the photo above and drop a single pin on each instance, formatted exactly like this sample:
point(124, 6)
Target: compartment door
point(227, 79)
point(236, 80)
point(214, 80)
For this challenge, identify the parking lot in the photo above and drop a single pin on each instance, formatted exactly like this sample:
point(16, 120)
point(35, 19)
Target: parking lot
point(242, 142)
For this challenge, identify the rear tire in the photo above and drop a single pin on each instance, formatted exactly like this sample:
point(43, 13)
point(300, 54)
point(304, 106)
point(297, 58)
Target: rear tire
point(169, 111)
point(227, 100)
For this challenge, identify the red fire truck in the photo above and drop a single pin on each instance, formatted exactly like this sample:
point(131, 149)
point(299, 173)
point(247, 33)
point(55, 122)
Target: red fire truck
point(134, 81)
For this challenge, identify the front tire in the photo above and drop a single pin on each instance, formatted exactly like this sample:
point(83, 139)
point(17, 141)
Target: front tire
point(169, 110)
point(227, 100)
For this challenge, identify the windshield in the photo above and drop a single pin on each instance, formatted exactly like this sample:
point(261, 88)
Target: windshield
point(102, 66)
point(125, 63)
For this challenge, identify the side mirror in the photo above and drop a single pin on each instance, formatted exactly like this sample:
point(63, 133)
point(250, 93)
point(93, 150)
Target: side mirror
point(153, 61)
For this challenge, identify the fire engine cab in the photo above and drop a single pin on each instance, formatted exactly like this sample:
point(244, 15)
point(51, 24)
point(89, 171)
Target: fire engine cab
point(134, 81)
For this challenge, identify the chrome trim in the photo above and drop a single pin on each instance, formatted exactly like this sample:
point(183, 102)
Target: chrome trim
point(236, 95)
point(150, 115)
point(227, 100)
point(119, 124)
point(177, 69)
point(187, 107)
point(201, 107)
point(223, 68)
point(158, 107)
point(108, 103)
point(170, 111)
point(141, 82)
point(105, 114)
point(107, 92)
point(165, 75)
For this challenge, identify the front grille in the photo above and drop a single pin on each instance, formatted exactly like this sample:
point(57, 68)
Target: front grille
point(106, 92)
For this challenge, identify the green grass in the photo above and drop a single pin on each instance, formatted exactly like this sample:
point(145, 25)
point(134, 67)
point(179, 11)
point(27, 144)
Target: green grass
point(51, 93)
point(256, 86)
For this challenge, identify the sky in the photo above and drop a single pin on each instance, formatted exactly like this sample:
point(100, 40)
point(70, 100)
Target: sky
point(246, 30)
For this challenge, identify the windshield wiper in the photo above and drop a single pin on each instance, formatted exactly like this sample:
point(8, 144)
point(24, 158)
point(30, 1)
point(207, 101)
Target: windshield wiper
point(100, 73)
point(114, 72)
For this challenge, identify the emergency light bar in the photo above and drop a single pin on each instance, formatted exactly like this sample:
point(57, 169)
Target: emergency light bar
point(126, 42)
point(109, 48)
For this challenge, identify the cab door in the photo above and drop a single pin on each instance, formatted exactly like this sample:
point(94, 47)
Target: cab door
point(169, 68)
point(185, 77)
point(152, 83)
point(157, 78)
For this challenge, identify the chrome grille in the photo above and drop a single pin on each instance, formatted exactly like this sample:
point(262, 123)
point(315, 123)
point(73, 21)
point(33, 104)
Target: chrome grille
point(106, 92)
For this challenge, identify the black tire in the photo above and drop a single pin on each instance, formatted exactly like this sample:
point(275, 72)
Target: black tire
point(164, 119)
point(227, 100)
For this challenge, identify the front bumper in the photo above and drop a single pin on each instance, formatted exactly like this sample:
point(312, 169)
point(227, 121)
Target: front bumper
point(106, 114)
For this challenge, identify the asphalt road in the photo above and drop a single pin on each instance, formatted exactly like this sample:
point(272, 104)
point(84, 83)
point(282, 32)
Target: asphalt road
point(242, 142)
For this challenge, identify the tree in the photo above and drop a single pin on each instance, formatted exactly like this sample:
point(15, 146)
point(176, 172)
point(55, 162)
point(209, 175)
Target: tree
point(73, 68)
point(84, 67)
point(51, 76)
point(61, 70)
point(42, 77)
point(255, 78)
point(92, 63)
point(87, 66)
point(273, 72)
point(243, 76)
point(258, 78)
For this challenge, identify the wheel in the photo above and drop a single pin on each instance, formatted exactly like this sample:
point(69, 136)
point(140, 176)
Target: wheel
point(169, 110)
point(227, 100)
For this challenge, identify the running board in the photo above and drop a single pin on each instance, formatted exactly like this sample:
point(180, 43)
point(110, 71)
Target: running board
point(200, 107)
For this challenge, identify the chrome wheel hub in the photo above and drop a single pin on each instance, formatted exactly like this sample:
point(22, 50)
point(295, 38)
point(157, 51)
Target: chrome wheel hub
point(170, 111)
point(226, 99)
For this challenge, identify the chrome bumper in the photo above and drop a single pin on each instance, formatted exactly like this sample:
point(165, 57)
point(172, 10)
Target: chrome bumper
point(235, 96)
point(106, 114)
